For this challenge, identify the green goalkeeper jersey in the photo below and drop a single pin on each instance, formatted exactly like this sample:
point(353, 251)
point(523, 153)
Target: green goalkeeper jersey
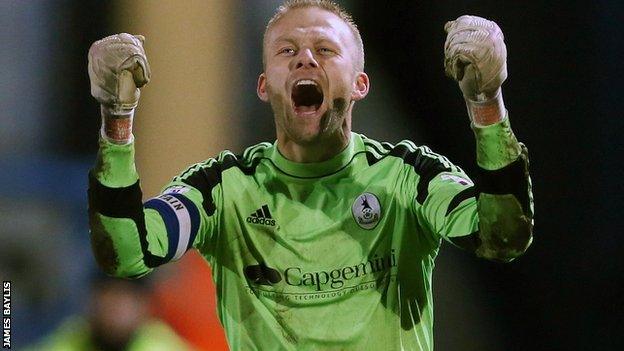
point(336, 255)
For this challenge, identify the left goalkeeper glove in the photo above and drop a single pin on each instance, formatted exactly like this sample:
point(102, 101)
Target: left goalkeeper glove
point(475, 56)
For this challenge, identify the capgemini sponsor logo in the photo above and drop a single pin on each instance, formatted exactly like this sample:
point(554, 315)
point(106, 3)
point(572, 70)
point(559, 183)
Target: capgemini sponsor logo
point(321, 280)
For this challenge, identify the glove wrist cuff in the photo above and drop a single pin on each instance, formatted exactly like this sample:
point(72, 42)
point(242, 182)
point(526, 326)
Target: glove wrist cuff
point(117, 124)
point(486, 111)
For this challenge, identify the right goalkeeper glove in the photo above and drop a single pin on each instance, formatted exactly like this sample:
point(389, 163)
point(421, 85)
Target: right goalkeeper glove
point(117, 68)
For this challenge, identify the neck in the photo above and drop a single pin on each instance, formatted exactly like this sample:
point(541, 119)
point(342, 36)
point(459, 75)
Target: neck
point(322, 149)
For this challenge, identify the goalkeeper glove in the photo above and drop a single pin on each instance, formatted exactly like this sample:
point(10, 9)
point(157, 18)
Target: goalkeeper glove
point(475, 56)
point(118, 67)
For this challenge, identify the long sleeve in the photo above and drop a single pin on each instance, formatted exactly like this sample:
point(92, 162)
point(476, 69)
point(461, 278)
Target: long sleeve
point(494, 216)
point(505, 199)
point(130, 238)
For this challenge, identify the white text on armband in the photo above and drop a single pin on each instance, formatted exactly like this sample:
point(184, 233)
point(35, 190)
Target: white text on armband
point(181, 219)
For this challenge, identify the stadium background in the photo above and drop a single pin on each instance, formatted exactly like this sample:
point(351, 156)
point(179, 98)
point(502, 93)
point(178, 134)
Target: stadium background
point(563, 94)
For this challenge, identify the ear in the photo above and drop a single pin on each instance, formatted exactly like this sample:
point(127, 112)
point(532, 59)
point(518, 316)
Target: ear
point(261, 88)
point(360, 87)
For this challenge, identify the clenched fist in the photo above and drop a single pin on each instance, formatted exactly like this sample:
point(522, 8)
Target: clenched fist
point(475, 56)
point(117, 68)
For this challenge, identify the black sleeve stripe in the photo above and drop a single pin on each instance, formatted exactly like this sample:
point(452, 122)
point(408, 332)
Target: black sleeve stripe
point(207, 177)
point(427, 167)
point(250, 152)
point(371, 159)
point(426, 163)
point(204, 179)
point(381, 148)
point(428, 173)
point(511, 179)
point(374, 152)
point(461, 196)
point(468, 242)
point(501, 181)
point(115, 202)
point(123, 203)
point(387, 145)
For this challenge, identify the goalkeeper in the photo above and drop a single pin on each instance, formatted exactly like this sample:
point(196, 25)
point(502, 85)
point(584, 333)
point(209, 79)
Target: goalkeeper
point(324, 239)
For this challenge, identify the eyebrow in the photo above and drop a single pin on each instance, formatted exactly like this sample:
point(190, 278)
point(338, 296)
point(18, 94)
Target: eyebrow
point(290, 39)
point(283, 38)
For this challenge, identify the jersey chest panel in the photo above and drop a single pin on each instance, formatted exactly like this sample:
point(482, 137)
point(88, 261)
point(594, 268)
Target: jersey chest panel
point(295, 236)
point(294, 252)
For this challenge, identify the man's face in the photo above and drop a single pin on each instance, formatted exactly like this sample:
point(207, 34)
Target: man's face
point(310, 77)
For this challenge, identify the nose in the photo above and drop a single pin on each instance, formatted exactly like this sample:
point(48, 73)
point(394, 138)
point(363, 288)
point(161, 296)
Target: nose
point(305, 59)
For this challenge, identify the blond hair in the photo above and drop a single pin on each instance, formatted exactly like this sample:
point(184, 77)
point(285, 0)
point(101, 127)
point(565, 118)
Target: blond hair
point(325, 5)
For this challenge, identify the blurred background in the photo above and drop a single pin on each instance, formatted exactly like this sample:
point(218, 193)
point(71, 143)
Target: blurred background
point(563, 95)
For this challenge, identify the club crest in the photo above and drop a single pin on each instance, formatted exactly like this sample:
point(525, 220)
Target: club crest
point(366, 210)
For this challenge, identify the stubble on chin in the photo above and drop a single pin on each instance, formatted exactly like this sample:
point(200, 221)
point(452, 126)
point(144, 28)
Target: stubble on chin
point(330, 123)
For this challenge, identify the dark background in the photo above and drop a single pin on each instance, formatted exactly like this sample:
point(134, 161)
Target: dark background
point(564, 98)
point(563, 95)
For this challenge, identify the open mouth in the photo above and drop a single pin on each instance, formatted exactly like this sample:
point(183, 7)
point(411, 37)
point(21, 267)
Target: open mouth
point(307, 97)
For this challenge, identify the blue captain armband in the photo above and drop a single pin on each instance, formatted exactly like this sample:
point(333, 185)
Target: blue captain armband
point(181, 218)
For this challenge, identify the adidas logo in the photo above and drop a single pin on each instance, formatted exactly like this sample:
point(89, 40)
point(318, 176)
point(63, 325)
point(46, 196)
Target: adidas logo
point(262, 216)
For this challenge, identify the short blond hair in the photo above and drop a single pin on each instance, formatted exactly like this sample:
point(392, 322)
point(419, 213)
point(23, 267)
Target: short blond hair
point(325, 5)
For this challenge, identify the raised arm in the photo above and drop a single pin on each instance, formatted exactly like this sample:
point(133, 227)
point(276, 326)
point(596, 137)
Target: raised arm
point(475, 56)
point(130, 238)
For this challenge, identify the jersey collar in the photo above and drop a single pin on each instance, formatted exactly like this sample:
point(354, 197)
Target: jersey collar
point(316, 169)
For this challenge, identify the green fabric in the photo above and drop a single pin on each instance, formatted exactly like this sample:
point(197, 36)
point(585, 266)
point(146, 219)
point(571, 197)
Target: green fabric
point(115, 164)
point(127, 246)
point(322, 275)
point(496, 145)
point(311, 170)
point(74, 335)
point(496, 244)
